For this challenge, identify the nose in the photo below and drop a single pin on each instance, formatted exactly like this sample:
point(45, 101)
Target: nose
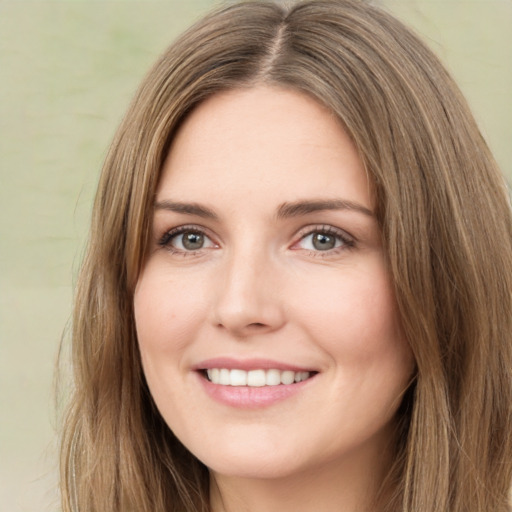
point(248, 299)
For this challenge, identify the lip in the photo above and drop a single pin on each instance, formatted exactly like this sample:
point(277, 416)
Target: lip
point(245, 397)
point(249, 364)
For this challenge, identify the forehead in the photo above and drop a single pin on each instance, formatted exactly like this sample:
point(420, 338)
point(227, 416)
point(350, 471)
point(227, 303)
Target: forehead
point(263, 141)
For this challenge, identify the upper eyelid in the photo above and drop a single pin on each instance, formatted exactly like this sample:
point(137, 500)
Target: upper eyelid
point(186, 227)
point(324, 228)
point(347, 240)
point(177, 230)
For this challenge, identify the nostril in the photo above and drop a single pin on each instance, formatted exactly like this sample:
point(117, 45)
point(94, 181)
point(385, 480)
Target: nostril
point(256, 324)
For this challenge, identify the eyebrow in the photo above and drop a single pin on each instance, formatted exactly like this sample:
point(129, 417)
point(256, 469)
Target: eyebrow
point(298, 208)
point(285, 210)
point(186, 208)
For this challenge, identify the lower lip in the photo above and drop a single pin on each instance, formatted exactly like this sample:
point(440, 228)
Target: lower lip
point(246, 397)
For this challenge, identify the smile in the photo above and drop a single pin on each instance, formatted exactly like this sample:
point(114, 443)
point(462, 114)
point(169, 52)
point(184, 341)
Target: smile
point(255, 378)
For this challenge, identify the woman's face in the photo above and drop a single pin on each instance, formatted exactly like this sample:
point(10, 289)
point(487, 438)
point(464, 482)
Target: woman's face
point(265, 314)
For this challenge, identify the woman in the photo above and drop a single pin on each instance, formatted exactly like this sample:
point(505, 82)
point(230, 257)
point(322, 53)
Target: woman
point(297, 288)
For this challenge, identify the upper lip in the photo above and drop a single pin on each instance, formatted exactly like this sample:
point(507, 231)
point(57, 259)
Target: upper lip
point(248, 364)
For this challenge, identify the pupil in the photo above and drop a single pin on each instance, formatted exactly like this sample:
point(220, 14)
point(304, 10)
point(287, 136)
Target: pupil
point(193, 241)
point(323, 242)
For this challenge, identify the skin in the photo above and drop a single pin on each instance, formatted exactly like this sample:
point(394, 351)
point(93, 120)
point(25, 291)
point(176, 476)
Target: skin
point(258, 287)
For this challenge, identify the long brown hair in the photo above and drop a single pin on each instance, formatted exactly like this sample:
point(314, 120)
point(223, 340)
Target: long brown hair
point(445, 216)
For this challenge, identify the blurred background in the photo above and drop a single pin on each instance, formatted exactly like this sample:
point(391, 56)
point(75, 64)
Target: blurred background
point(68, 69)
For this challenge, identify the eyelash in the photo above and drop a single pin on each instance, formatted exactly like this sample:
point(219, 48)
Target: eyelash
point(347, 241)
point(168, 236)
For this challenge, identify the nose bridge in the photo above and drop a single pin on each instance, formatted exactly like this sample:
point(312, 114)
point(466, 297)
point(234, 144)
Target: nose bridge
point(247, 300)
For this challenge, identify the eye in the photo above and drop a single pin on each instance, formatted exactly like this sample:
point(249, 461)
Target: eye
point(189, 241)
point(324, 239)
point(186, 240)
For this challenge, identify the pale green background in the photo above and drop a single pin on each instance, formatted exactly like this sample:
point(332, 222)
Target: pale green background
point(67, 72)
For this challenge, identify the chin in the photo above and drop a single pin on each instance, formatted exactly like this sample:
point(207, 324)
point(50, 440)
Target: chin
point(255, 468)
point(251, 460)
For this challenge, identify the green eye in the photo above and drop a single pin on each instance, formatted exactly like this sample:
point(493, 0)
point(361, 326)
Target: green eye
point(185, 240)
point(323, 241)
point(191, 241)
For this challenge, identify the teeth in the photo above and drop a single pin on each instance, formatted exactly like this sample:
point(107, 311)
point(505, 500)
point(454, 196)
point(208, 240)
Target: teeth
point(255, 378)
point(288, 377)
point(273, 378)
point(238, 378)
point(300, 376)
point(225, 377)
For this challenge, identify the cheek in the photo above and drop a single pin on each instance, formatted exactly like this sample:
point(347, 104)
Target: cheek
point(153, 314)
point(165, 311)
point(355, 320)
point(159, 321)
